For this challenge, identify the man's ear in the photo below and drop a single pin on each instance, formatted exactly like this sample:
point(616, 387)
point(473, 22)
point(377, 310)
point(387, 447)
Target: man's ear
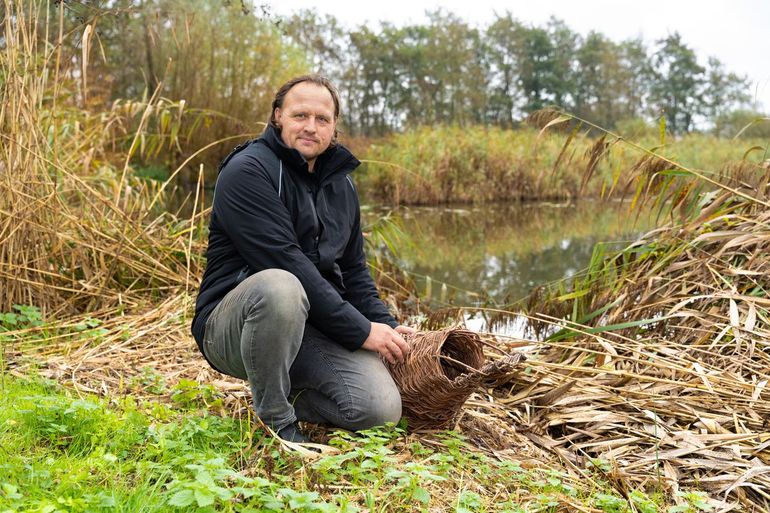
point(277, 116)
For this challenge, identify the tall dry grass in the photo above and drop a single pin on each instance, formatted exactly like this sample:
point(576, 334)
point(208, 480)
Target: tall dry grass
point(78, 232)
point(659, 352)
point(444, 164)
point(695, 202)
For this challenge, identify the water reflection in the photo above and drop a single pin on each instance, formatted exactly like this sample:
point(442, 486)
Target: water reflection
point(497, 253)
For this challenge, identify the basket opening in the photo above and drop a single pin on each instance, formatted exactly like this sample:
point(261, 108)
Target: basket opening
point(462, 350)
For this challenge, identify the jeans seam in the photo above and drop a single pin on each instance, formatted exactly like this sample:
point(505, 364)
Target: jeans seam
point(208, 346)
point(291, 417)
point(249, 305)
point(340, 378)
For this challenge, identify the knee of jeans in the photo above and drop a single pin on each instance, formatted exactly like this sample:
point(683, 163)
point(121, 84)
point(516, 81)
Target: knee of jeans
point(380, 406)
point(281, 294)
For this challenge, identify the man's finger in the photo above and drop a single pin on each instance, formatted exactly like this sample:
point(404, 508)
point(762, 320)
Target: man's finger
point(402, 345)
point(406, 330)
point(396, 351)
point(385, 352)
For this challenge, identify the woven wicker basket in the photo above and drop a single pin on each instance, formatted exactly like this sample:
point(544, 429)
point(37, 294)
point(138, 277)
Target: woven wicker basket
point(442, 369)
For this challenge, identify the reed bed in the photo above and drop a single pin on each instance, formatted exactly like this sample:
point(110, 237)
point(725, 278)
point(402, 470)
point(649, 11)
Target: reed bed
point(681, 399)
point(78, 232)
point(477, 164)
point(656, 358)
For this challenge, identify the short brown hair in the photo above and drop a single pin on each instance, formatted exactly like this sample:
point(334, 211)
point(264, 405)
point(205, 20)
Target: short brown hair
point(319, 80)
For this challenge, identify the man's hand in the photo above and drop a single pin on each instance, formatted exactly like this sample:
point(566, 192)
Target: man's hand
point(387, 342)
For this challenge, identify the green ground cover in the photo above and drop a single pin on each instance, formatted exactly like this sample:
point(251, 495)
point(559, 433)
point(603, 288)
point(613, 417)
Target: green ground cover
point(67, 453)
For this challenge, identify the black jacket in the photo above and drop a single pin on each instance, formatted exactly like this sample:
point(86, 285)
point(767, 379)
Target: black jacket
point(270, 212)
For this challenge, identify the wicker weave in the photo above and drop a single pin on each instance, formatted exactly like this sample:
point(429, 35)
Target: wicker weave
point(442, 369)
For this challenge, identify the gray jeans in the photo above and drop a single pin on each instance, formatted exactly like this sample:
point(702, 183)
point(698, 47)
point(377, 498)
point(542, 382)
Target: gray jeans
point(259, 332)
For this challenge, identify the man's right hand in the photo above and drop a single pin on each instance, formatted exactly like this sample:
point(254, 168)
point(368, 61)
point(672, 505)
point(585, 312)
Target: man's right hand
point(386, 342)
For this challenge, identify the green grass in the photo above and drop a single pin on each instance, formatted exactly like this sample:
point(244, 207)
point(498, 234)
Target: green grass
point(64, 453)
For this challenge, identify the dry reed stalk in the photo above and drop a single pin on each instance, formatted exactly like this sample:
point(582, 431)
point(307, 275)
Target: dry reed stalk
point(24, 187)
point(547, 118)
point(687, 396)
point(77, 235)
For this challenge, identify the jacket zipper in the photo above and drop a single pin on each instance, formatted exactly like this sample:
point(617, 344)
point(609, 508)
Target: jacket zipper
point(316, 222)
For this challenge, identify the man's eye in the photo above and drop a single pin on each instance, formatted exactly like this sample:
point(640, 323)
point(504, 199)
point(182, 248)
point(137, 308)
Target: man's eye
point(323, 120)
point(300, 116)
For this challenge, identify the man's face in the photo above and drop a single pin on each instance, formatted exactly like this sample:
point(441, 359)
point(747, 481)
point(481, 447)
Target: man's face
point(307, 120)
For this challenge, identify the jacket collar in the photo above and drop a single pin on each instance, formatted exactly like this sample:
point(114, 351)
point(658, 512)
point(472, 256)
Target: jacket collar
point(334, 159)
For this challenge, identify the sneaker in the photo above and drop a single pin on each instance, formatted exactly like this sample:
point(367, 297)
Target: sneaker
point(291, 433)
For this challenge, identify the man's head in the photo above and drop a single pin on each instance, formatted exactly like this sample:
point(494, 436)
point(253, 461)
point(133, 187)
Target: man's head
point(305, 112)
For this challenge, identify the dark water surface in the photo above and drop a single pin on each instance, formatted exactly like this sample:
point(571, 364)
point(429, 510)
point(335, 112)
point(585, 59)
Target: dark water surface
point(495, 254)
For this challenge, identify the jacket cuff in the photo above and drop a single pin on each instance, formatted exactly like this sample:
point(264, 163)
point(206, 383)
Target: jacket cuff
point(359, 333)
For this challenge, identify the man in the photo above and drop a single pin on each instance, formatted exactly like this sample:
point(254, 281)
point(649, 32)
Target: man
point(287, 300)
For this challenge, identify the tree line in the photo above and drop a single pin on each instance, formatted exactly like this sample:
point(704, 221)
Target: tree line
point(448, 71)
point(225, 58)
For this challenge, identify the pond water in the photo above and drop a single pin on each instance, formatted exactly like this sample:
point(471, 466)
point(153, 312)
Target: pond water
point(496, 254)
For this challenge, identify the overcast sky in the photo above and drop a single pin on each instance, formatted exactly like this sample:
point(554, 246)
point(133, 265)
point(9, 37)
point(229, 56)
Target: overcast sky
point(737, 32)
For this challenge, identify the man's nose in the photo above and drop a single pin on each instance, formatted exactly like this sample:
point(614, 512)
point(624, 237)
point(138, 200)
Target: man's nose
point(310, 125)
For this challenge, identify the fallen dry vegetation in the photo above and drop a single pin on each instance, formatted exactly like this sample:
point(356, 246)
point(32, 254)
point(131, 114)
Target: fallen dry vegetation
point(683, 397)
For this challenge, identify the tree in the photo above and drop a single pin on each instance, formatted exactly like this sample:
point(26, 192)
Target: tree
point(723, 91)
point(562, 73)
point(677, 89)
point(595, 88)
point(545, 57)
point(455, 73)
point(748, 123)
point(376, 99)
point(503, 39)
point(634, 79)
point(416, 74)
point(223, 58)
point(321, 37)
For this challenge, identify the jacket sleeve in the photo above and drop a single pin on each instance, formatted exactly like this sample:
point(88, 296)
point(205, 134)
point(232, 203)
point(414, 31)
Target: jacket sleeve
point(259, 225)
point(359, 285)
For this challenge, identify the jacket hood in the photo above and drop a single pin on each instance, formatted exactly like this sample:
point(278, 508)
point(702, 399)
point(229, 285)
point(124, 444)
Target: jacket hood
point(336, 158)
